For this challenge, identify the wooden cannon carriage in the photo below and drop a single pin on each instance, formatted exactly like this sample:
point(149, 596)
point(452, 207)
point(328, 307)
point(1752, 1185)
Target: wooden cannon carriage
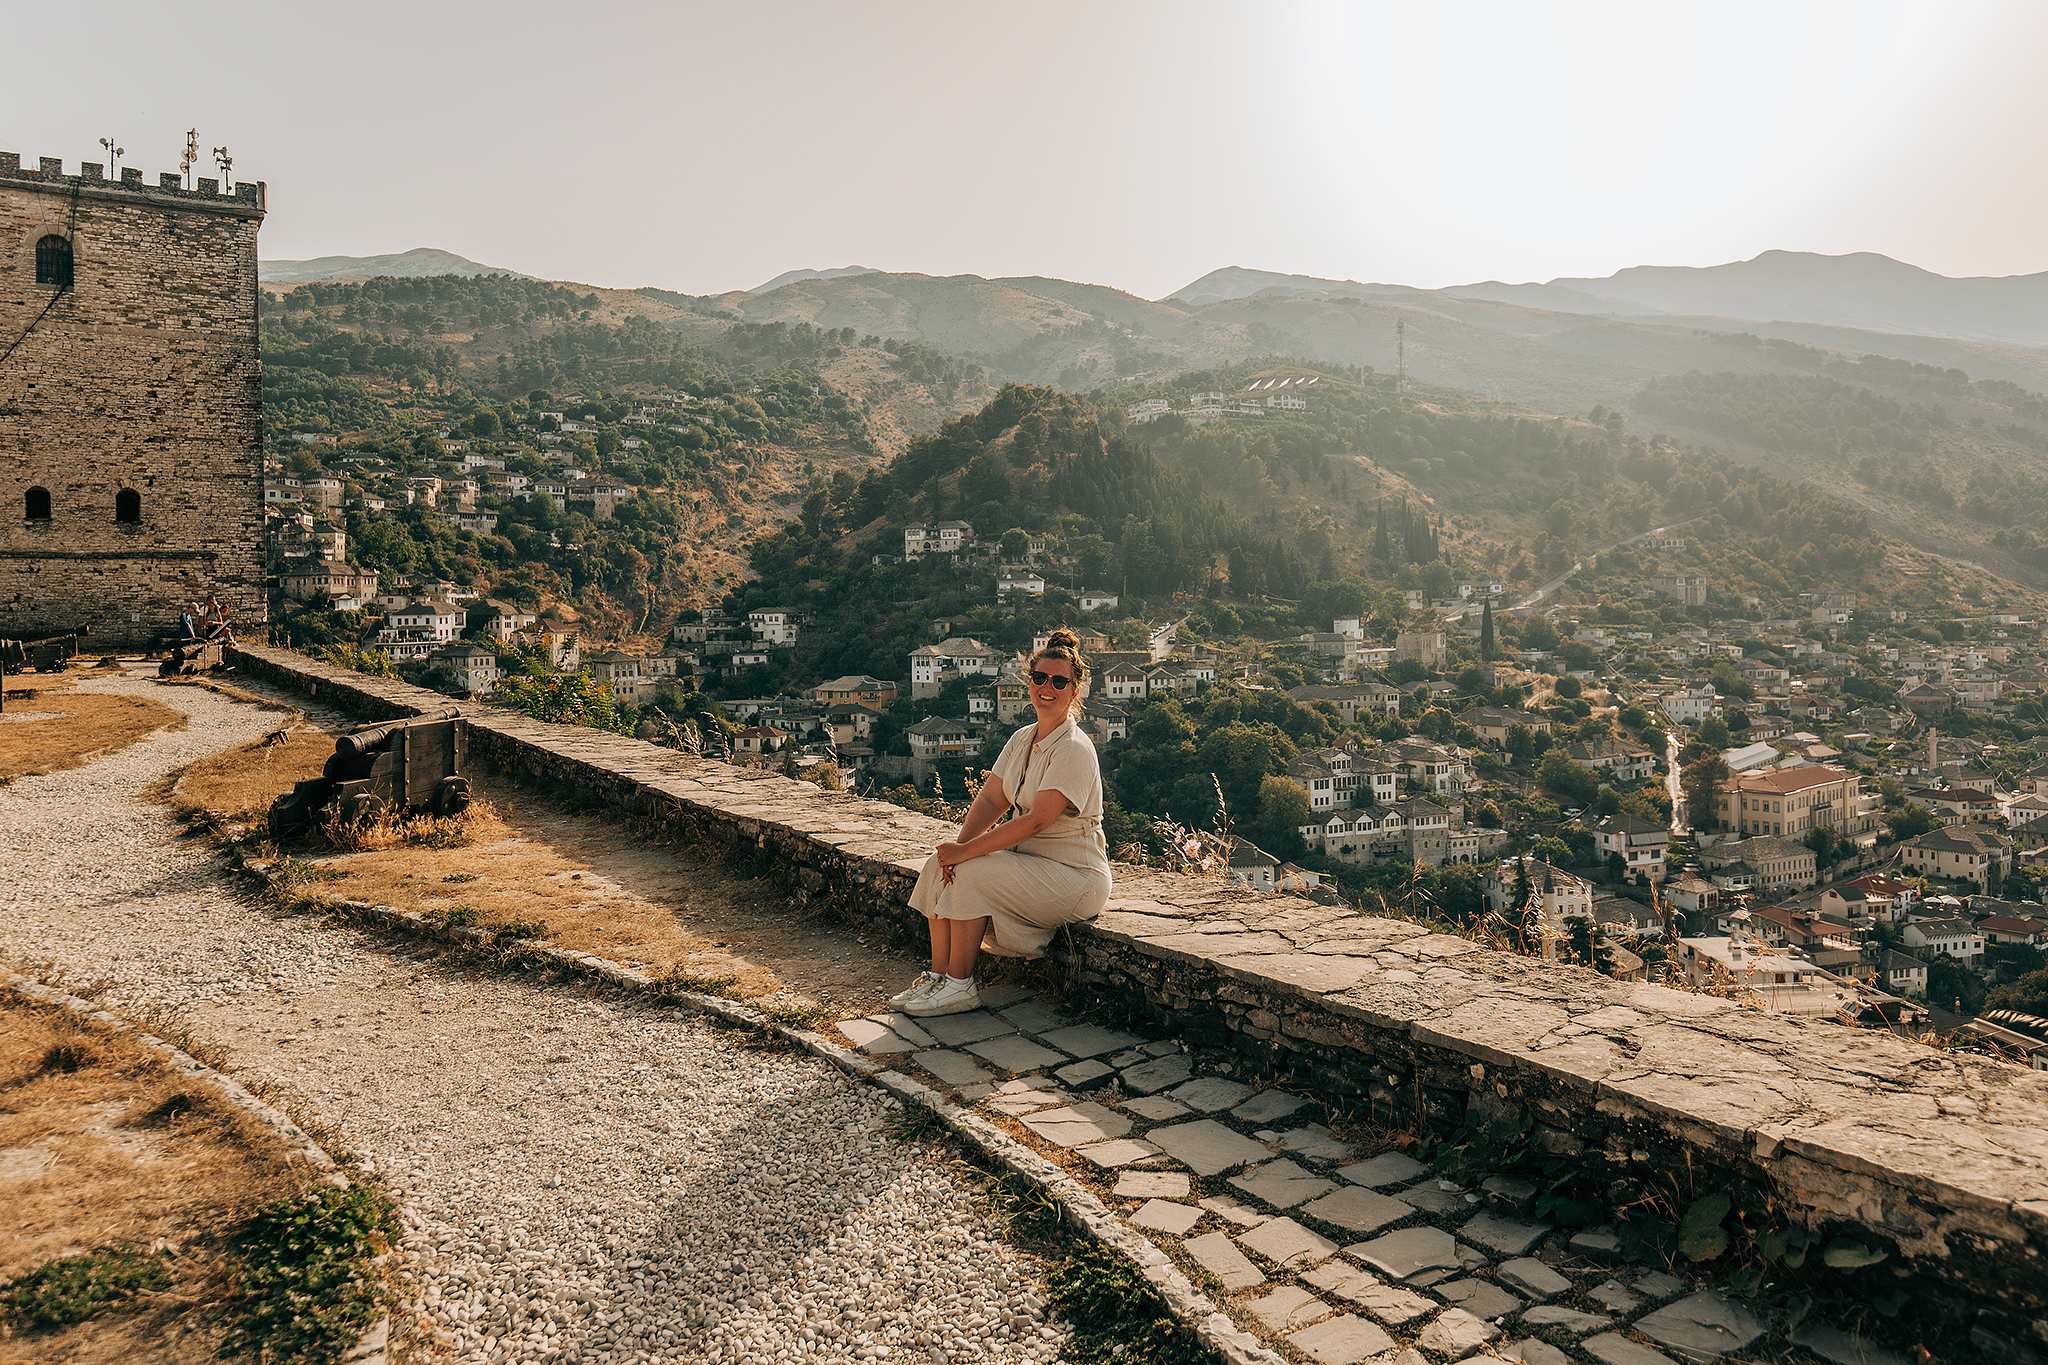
point(192, 656)
point(399, 765)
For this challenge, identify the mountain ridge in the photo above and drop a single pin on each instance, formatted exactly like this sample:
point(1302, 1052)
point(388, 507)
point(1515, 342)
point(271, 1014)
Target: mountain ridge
point(418, 262)
point(799, 276)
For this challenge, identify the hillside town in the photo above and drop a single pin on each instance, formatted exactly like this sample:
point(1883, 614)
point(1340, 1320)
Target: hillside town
point(1861, 852)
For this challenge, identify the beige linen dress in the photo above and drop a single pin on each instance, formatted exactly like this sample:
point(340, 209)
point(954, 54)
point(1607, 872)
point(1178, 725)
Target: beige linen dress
point(1053, 878)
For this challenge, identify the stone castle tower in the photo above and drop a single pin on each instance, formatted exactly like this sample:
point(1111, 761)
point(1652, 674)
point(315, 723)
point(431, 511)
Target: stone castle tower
point(131, 403)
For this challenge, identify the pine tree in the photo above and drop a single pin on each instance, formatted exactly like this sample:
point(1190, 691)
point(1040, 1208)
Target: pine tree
point(1486, 631)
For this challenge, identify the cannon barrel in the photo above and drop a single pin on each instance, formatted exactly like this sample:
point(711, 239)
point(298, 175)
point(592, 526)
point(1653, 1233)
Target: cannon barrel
point(369, 738)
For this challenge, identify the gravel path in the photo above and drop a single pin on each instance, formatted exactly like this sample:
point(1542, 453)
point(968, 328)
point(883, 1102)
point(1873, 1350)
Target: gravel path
point(582, 1180)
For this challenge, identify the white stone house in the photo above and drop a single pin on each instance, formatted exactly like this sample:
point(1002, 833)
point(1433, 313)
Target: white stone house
point(418, 629)
point(475, 668)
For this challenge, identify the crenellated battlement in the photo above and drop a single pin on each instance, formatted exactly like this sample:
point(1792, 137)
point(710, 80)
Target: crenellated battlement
point(92, 175)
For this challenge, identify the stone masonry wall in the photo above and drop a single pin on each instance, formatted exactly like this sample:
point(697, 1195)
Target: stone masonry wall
point(145, 375)
point(1652, 1096)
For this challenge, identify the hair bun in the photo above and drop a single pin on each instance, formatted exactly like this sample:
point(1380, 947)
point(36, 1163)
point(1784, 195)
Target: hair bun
point(1062, 638)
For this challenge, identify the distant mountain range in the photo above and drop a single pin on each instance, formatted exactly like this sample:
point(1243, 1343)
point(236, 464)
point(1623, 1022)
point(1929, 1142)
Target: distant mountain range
point(421, 260)
point(1862, 290)
point(796, 276)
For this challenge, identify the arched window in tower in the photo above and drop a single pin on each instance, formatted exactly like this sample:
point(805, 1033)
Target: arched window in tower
point(53, 261)
point(38, 504)
point(128, 506)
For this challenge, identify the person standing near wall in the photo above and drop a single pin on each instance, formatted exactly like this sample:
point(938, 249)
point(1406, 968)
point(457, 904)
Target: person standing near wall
point(1008, 886)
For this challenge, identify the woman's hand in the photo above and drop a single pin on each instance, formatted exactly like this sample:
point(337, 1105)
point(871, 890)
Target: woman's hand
point(950, 855)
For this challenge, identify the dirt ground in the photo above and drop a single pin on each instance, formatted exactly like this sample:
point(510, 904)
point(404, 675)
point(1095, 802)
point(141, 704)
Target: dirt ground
point(101, 1144)
point(48, 727)
point(595, 887)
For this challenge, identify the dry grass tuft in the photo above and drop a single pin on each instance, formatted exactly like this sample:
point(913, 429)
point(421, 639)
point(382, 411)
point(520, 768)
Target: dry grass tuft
point(237, 785)
point(55, 732)
point(394, 829)
point(103, 1144)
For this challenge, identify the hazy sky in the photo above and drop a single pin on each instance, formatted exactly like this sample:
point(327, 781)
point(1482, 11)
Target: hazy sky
point(708, 147)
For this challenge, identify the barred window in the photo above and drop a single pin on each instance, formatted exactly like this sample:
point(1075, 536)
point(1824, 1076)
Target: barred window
point(53, 261)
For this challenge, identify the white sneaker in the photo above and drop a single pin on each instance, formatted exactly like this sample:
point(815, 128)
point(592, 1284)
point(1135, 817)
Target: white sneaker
point(925, 984)
point(949, 997)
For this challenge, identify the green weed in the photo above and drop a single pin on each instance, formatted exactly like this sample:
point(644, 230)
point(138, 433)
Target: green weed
point(915, 1122)
point(306, 1288)
point(73, 1288)
point(1117, 1315)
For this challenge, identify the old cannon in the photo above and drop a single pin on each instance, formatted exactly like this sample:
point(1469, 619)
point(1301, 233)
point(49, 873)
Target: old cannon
point(398, 765)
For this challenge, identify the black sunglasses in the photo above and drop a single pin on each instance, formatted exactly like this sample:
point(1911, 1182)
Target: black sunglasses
point(1059, 681)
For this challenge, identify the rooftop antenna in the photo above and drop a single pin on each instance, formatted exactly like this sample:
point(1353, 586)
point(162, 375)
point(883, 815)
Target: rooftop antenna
point(114, 155)
point(191, 157)
point(1401, 360)
point(227, 166)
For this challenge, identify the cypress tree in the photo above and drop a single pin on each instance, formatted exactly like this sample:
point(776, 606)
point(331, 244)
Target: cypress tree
point(1486, 631)
point(1382, 549)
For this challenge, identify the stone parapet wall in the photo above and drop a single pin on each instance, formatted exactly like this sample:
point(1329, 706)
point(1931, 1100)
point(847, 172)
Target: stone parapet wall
point(1651, 1097)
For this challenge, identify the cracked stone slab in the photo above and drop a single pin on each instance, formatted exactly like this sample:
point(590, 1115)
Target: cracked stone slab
point(1457, 1334)
point(1269, 1105)
point(1357, 1209)
point(1388, 1168)
point(1014, 1054)
point(1085, 1075)
point(1430, 1199)
point(1118, 1152)
point(1158, 1074)
point(1152, 1185)
point(1024, 1101)
point(1615, 1297)
point(1155, 1107)
point(875, 1039)
point(1313, 1142)
point(1409, 1251)
point(1002, 997)
point(1570, 1319)
point(1281, 1184)
point(1532, 1277)
point(905, 1027)
point(1831, 1343)
point(1086, 1040)
point(1343, 1340)
point(1236, 1211)
point(1204, 1146)
point(1602, 1246)
point(954, 1068)
point(1510, 1194)
point(1703, 1327)
point(1658, 1285)
point(1391, 1304)
point(1498, 1232)
point(1480, 1298)
point(1163, 1215)
point(1612, 1348)
point(1077, 1124)
point(1288, 1307)
point(1035, 1016)
point(1218, 1255)
point(1530, 1351)
point(1287, 1243)
point(958, 1030)
point(1210, 1093)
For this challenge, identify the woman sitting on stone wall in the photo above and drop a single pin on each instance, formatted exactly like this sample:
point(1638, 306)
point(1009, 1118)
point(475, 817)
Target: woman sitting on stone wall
point(1008, 886)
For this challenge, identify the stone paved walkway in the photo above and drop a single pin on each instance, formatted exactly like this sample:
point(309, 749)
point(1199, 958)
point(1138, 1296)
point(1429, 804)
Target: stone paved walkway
point(1308, 1242)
